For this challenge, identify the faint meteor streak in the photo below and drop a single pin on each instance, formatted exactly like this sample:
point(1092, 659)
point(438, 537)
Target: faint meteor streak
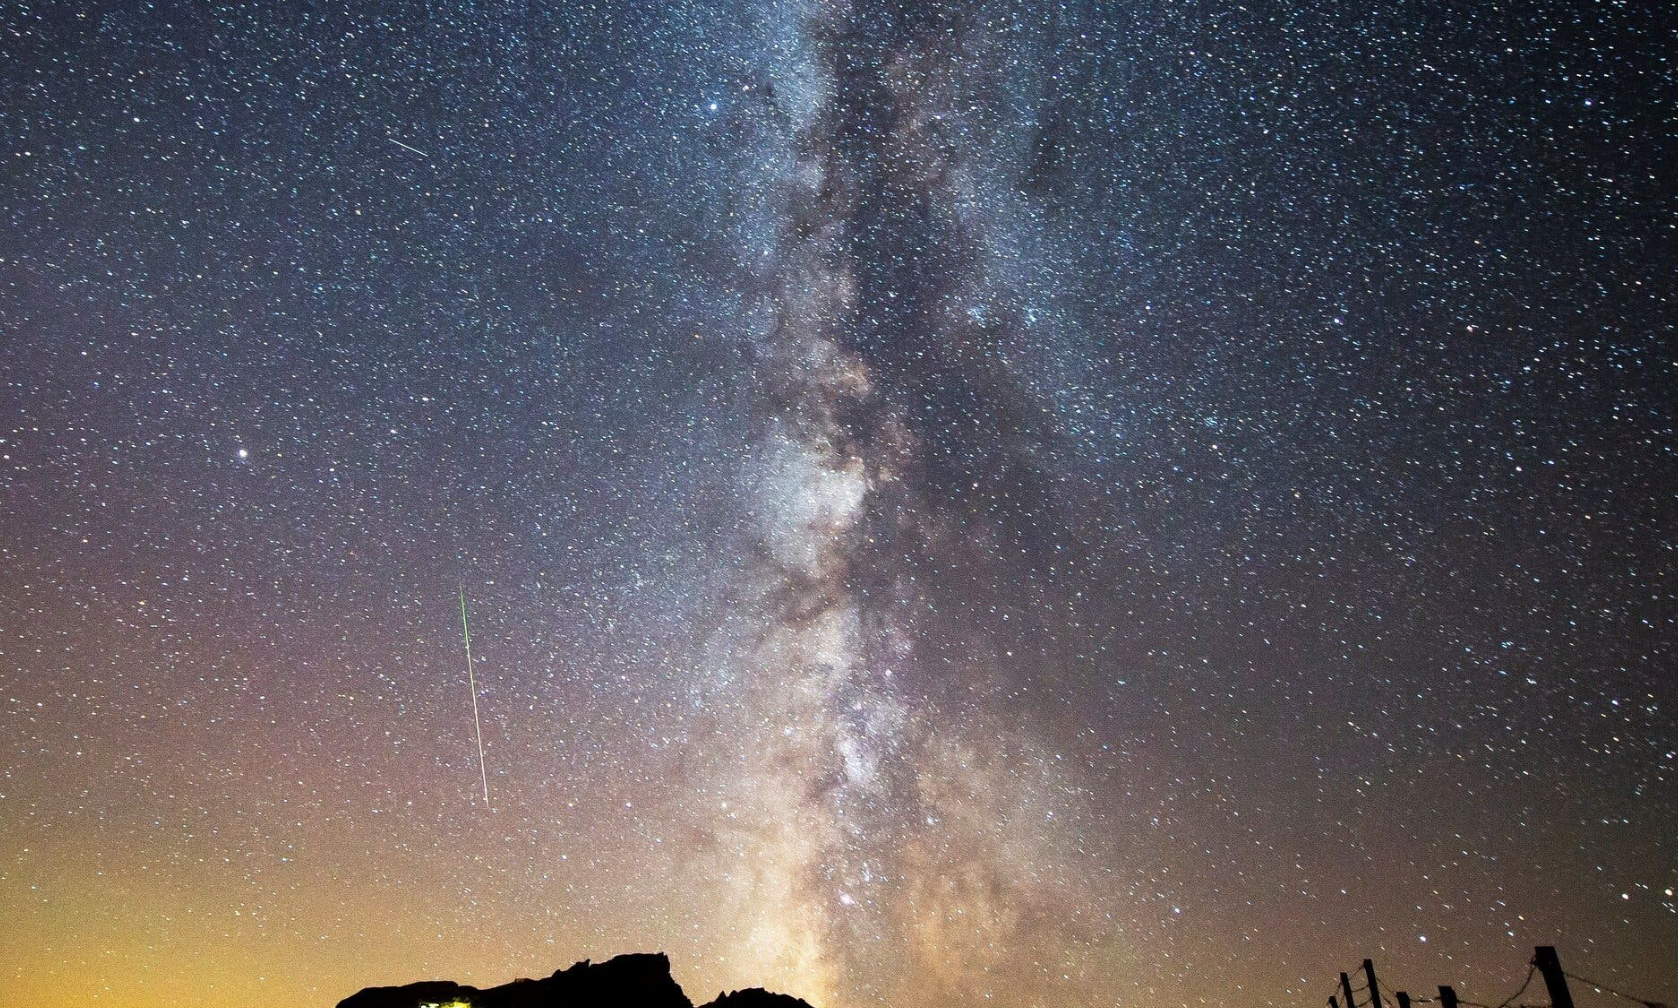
point(404, 146)
point(472, 682)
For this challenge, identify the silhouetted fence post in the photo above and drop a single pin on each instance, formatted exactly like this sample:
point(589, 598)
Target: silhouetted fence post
point(1346, 989)
point(1447, 996)
point(1333, 1002)
point(1403, 999)
point(1374, 991)
point(1544, 957)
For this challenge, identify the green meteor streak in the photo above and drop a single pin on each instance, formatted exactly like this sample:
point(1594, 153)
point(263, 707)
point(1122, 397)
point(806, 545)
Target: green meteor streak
point(472, 682)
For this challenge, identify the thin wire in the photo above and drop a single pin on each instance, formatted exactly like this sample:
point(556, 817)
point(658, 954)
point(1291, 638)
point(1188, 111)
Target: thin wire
point(1355, 991)
point(1532, 969)
point(1506, 1001)
point(1609, 990)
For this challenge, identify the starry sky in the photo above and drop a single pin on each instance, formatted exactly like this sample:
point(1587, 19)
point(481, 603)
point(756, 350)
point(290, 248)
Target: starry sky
point(960, 502)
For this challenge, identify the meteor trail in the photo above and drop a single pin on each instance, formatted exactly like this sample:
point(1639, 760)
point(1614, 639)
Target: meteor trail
point(472, 681)
point(404, 146)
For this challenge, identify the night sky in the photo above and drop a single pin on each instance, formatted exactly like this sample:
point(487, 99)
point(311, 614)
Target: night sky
point(959, 503)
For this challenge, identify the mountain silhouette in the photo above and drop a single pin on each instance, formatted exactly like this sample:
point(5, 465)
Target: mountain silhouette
point(641, 980)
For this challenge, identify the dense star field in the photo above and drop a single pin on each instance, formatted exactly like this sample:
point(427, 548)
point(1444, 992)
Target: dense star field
point(960, 503)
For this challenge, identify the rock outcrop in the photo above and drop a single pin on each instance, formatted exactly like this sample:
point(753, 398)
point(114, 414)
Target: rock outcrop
point(641, 980)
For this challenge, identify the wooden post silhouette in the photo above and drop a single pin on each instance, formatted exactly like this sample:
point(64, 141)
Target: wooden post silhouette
point(1374, 991)
point(1447, 996)
point(1403, 999)
point(1333, 1002)
point(1346, 989)
point(1544, 957)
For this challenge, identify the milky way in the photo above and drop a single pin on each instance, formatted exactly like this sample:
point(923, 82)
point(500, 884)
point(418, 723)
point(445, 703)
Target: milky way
point(961, 503)
point(884, 815)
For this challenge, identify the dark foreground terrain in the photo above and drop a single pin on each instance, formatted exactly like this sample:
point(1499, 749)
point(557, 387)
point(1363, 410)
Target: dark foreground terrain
point(627, 981)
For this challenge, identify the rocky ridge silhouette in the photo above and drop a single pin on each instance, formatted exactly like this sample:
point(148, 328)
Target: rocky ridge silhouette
point(639, 980)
